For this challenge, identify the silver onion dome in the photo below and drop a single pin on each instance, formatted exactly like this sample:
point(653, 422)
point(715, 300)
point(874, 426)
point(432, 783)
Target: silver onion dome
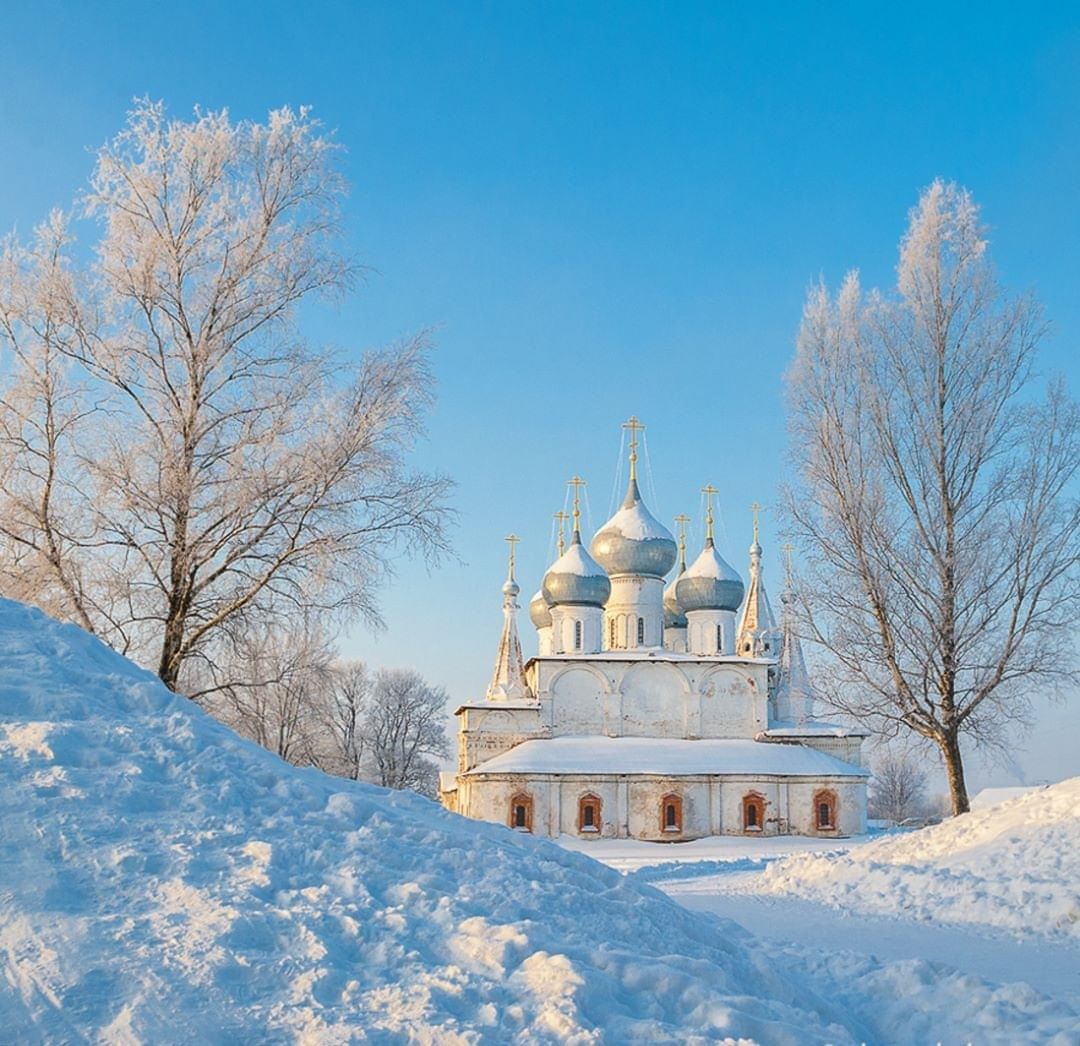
point(576, 579)
point(634, 541)
point(709, 584)
point(674, 617)
point(539, 611)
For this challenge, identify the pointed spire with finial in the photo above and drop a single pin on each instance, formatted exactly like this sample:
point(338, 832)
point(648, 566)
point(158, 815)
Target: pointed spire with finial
point(793, 697)
point(757, 629)
point(508, 679)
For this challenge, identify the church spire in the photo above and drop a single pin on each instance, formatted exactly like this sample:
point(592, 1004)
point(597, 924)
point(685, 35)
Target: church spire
point(508, 679)
point(757, 629)
point(794, 694)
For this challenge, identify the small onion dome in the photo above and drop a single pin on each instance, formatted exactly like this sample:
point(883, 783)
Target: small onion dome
point(634, 541)
point(576, 579)
point(539, 611)
point(673, 611)
point(511, 588)
point(709, 584)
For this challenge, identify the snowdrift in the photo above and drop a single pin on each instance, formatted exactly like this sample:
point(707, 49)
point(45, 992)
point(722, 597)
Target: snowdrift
point(163, 880)
point(1014, 867)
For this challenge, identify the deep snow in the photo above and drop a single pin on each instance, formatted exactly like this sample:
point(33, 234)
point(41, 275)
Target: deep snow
point(163, 880)
point(1012, 867)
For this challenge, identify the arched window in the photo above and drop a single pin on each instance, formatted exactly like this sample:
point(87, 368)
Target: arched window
point(825, 811)
point(521, 812)
point(641, 631)
point(611, 634)
point(719, 639)
point(589, 819)
point(671, 814)
point(577, 635)
point(753, 812)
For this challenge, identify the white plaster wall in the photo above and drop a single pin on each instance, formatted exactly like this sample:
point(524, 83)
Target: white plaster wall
point(733, 704)
point(655, 699)
point(633, 597)
point(484, 733)
point(563, 621)
point(675, 639)
point(579, 701)
point(645, 811)
point(712, 805)
point(850, 806)
point(732, 791)
point(701, 632)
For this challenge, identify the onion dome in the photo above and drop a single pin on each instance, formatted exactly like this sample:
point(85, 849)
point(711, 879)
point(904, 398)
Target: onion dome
point(634, 541)
point(576, 579)
point(673, 611)
point(709, 583)
point(539, 611)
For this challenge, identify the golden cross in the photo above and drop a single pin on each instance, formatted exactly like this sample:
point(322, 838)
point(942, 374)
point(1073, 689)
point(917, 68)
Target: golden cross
point(577, 483)
point(562, 517)
point(709, 490)
point(681, 520)
point(756, 508)
point(635, 427)
point(512, 540)
point(787, 550)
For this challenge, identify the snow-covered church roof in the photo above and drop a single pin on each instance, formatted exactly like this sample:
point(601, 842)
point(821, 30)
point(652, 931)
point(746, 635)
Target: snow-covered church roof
point(666, 757)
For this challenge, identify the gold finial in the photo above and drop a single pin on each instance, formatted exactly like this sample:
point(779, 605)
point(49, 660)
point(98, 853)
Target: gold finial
point(756, 509)
point(635, 427)
point(577, 483)
point(681, 520)
point(709, 490)
point(562, 517)
point(787, 550)
point(511, 540)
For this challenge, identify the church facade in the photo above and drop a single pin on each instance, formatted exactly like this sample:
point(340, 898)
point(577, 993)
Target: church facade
point(652, 712)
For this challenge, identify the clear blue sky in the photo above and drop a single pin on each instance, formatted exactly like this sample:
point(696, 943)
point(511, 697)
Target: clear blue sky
point(602, 209)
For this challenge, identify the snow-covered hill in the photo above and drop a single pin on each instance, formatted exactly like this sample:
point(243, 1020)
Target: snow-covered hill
point(1015, 866)
point(162, 880)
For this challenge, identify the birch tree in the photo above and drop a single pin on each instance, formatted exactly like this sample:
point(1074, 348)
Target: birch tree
point(239, 475)
point(936, 499)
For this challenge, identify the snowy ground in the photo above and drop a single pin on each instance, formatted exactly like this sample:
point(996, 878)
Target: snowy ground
point(162, 881)
point(995, 894)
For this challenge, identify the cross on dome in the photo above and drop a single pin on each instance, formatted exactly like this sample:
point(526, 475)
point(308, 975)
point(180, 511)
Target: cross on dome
point(709, 490)
point(635, 427)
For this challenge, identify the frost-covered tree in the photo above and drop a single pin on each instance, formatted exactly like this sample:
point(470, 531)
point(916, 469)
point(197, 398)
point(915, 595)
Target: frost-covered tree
point(204, 469)
point(897, 787)
point(936, 499)
point(404, 729)
point(273, 689)
point(348, 696)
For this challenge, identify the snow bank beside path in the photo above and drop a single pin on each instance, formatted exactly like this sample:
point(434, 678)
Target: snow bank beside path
point(162, 880)
point(1013, 867)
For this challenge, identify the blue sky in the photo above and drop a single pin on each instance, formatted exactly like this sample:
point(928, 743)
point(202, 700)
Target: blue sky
point(600, 209)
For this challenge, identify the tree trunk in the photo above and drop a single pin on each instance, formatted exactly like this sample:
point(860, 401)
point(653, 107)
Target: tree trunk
point(954, 770)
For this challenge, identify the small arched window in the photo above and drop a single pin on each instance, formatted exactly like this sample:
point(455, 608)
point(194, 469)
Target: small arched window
point(577, 635)
point(719, 639)
point(641, 631)
point(521, 812)
point(753, 806)
point(589, 818)
point(825, 811)
point(671, 814)
point(611, 634)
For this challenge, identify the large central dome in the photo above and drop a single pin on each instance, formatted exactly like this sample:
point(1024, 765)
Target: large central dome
point(634, 541)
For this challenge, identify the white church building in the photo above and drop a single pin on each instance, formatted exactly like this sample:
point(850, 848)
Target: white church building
point(652, 712)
